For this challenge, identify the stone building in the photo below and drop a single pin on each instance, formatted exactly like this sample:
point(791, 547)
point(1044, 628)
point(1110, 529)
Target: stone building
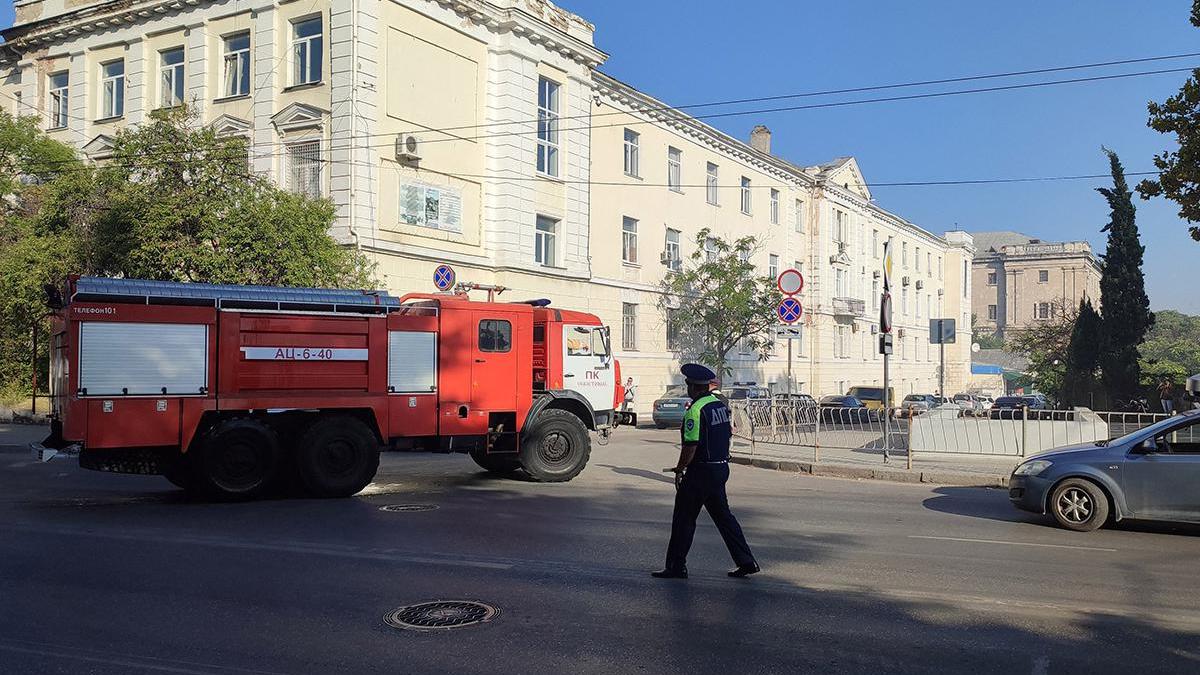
point(1019, 280)
point(479, 133)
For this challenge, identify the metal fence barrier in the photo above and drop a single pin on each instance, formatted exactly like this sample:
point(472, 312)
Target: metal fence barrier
point(941, 431)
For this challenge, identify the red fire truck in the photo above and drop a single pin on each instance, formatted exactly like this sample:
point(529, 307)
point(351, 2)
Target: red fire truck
point(231, 390)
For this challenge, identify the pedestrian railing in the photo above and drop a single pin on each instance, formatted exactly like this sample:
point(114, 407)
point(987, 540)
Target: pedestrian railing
point(947, 429)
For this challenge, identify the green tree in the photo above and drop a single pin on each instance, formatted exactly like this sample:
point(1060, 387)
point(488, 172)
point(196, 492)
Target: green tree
point(1083, 358)
point(176, 202)
point(1046, 345)
point(1179, 169)
point(718, 301)
point(985, 339)
point(1171, 349)
point(1123, 300)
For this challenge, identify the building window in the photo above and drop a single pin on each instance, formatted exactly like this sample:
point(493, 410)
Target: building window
point(745, 195)
point(545, 237)
point(237, 65)
point(673, 340)
point(629, 249)
point(112, 89)
point(839, 283)
point(917, 258)
point(773, 266)
point(710, 184)
point(304, 168)
point(874, 294)
point(991, 312)
point(774, 206)
point(964, 278)
point(800, 215)
point(710, 249)
point(495, 335)
point(628, 326)
point(904, 254)
point(1043, 310)
point(671, 250)
point(918, 305)
point(929, 264)
point(840, 349)
point(306, 51)
point(17, 112)
point(675, 169)
point(939, 267)
point(547, 131)
point(631, 152)
point(170, 78)
point(60, 96)
point(840, 219)
point(904, 301)
point(991, 279)
point(1043, 276)
point(875, 243)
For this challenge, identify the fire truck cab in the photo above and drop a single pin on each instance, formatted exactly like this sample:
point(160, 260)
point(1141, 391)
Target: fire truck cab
point(231, 390)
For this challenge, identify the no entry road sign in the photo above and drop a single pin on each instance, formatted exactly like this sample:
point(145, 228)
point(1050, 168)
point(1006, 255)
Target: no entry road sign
point(790, 281)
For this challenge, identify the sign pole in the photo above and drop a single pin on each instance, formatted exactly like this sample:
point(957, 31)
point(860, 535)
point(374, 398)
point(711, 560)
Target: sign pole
point(789, 388)
point(942, 369)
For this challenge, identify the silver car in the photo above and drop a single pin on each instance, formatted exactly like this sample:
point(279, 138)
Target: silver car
point(971, 404)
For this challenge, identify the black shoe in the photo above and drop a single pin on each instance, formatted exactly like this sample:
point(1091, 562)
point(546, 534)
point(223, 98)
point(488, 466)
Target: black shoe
point(744, 571)
point(670, 574)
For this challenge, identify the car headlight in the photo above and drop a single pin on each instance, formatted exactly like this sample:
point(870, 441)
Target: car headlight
point(1032, 468)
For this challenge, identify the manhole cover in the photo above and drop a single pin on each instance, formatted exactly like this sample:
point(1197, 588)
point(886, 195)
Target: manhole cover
point(403, 508)
point(441, 615)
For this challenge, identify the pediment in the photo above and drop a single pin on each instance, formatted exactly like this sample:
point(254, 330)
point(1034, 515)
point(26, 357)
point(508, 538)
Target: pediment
point(100, 147)
point(299, 116)
point(228, 125)
point(845, 172)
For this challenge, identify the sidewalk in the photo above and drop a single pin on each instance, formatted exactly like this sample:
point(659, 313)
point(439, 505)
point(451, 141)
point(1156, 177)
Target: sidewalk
point(868, 464)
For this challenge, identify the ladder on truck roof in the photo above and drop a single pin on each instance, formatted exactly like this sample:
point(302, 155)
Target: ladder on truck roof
point(232, 296)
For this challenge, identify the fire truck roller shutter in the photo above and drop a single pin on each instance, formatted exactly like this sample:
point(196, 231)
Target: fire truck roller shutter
point(412, 362)
point(117, 358)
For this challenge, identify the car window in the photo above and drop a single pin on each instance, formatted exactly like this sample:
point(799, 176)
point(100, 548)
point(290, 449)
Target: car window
point(1180, 440)
point(675, 392)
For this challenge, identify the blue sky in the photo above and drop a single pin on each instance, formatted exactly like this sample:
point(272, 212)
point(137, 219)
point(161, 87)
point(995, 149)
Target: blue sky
point(717, 50)
point(708, 50)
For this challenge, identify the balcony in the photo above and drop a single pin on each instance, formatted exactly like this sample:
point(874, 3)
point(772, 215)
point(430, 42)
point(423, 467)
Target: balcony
point(850, 307)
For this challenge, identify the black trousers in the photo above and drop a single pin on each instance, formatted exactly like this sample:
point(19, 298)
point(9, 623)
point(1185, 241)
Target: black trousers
point(703, 485)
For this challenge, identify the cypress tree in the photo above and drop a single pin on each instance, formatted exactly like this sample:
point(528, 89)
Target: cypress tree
point(1123, 301)
point(1083, 357)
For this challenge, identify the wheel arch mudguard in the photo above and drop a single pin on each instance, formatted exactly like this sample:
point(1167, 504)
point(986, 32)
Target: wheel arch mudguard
point(1106, 482)
point(563, 399)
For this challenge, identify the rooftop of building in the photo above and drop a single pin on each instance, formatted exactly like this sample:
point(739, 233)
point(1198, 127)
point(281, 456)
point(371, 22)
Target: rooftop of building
point(1009, 243)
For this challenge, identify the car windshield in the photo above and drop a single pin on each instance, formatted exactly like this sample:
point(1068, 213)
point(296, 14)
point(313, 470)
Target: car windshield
point(1147, 432)
point(867, 392)
point(675, 392)
point(914, 397)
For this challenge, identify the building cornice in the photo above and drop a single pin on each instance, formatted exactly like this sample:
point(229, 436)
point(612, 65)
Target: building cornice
point(90, 19)
point(521, 23)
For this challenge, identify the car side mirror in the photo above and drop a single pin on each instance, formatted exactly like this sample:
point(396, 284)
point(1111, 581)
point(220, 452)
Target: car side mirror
point(1146, 447)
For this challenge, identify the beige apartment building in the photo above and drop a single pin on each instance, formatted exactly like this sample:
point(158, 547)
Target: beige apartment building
point(480, 134)
point(1020, 281)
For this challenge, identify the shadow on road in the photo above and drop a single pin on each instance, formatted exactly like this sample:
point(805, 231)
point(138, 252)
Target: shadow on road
point(640, 473)
point(978, 502)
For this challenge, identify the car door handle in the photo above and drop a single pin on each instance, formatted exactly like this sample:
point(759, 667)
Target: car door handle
point(568, 375)
point(480, 360)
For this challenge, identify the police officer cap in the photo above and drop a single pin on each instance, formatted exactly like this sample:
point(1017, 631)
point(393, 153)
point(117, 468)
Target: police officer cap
point(695, 373)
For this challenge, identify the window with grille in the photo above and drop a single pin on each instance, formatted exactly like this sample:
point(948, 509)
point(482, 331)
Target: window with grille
point(112, 89)
point(547, 131)
point(774, 206)
point(307, 48)
point(237, 65)
point(673, 253)
point(170, 77)
point(304, 168)
point(710, 183)
point(628, 326)
point(675, 169)
point(745, 195)
point(674, 341)
point(545, 249)
point(629, 246)
point(60, 95)
point(632, 138)
point(992, 312)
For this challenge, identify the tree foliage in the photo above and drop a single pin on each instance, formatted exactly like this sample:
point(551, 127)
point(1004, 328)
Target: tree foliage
point(1171, 349)
point(175, 202)
point(1123, 299)
point(718, 301)
point(1179, 169)
point(1080, 375)
point(1046, 346)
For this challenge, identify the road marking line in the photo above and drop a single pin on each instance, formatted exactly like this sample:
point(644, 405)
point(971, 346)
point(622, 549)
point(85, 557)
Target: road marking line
point(1012, 543)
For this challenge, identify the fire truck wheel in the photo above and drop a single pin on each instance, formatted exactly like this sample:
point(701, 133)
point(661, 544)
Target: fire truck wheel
point(238, 459)
point(556, 448)
point(495, 463)
point(337, 456)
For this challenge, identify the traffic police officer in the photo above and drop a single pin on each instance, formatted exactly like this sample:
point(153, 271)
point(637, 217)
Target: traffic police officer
point(704, 465)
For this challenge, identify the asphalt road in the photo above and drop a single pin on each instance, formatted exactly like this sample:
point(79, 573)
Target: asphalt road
point(102, 573)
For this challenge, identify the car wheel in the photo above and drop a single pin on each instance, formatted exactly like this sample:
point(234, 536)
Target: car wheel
point(1079, 504)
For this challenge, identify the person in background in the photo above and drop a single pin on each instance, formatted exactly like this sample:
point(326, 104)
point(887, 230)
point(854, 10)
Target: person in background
point(1166, 395)
point(629, 395)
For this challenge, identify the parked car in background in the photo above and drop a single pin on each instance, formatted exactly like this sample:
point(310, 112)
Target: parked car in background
point(847, 410)
point(915, 404)
point(750, 394)
point(987, 401)
point(970, 404)
point(1012, 407)
point(669, 408)
point(872, 396)
point(794, 408)
point(1149, 474)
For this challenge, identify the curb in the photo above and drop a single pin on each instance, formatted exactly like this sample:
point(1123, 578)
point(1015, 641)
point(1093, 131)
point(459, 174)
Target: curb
point(961, 479)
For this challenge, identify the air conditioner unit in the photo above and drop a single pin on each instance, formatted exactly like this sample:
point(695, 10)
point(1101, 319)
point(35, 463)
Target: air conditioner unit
point(673, 264)
point(408, 148)
point(875, 274)
point(906, 280)
point(941, 291)
point(874, 329)
point(920, 284)
point(900, 332)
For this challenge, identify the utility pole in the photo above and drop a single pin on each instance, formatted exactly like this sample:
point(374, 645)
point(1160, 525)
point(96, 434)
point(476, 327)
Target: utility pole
point(885, 347)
